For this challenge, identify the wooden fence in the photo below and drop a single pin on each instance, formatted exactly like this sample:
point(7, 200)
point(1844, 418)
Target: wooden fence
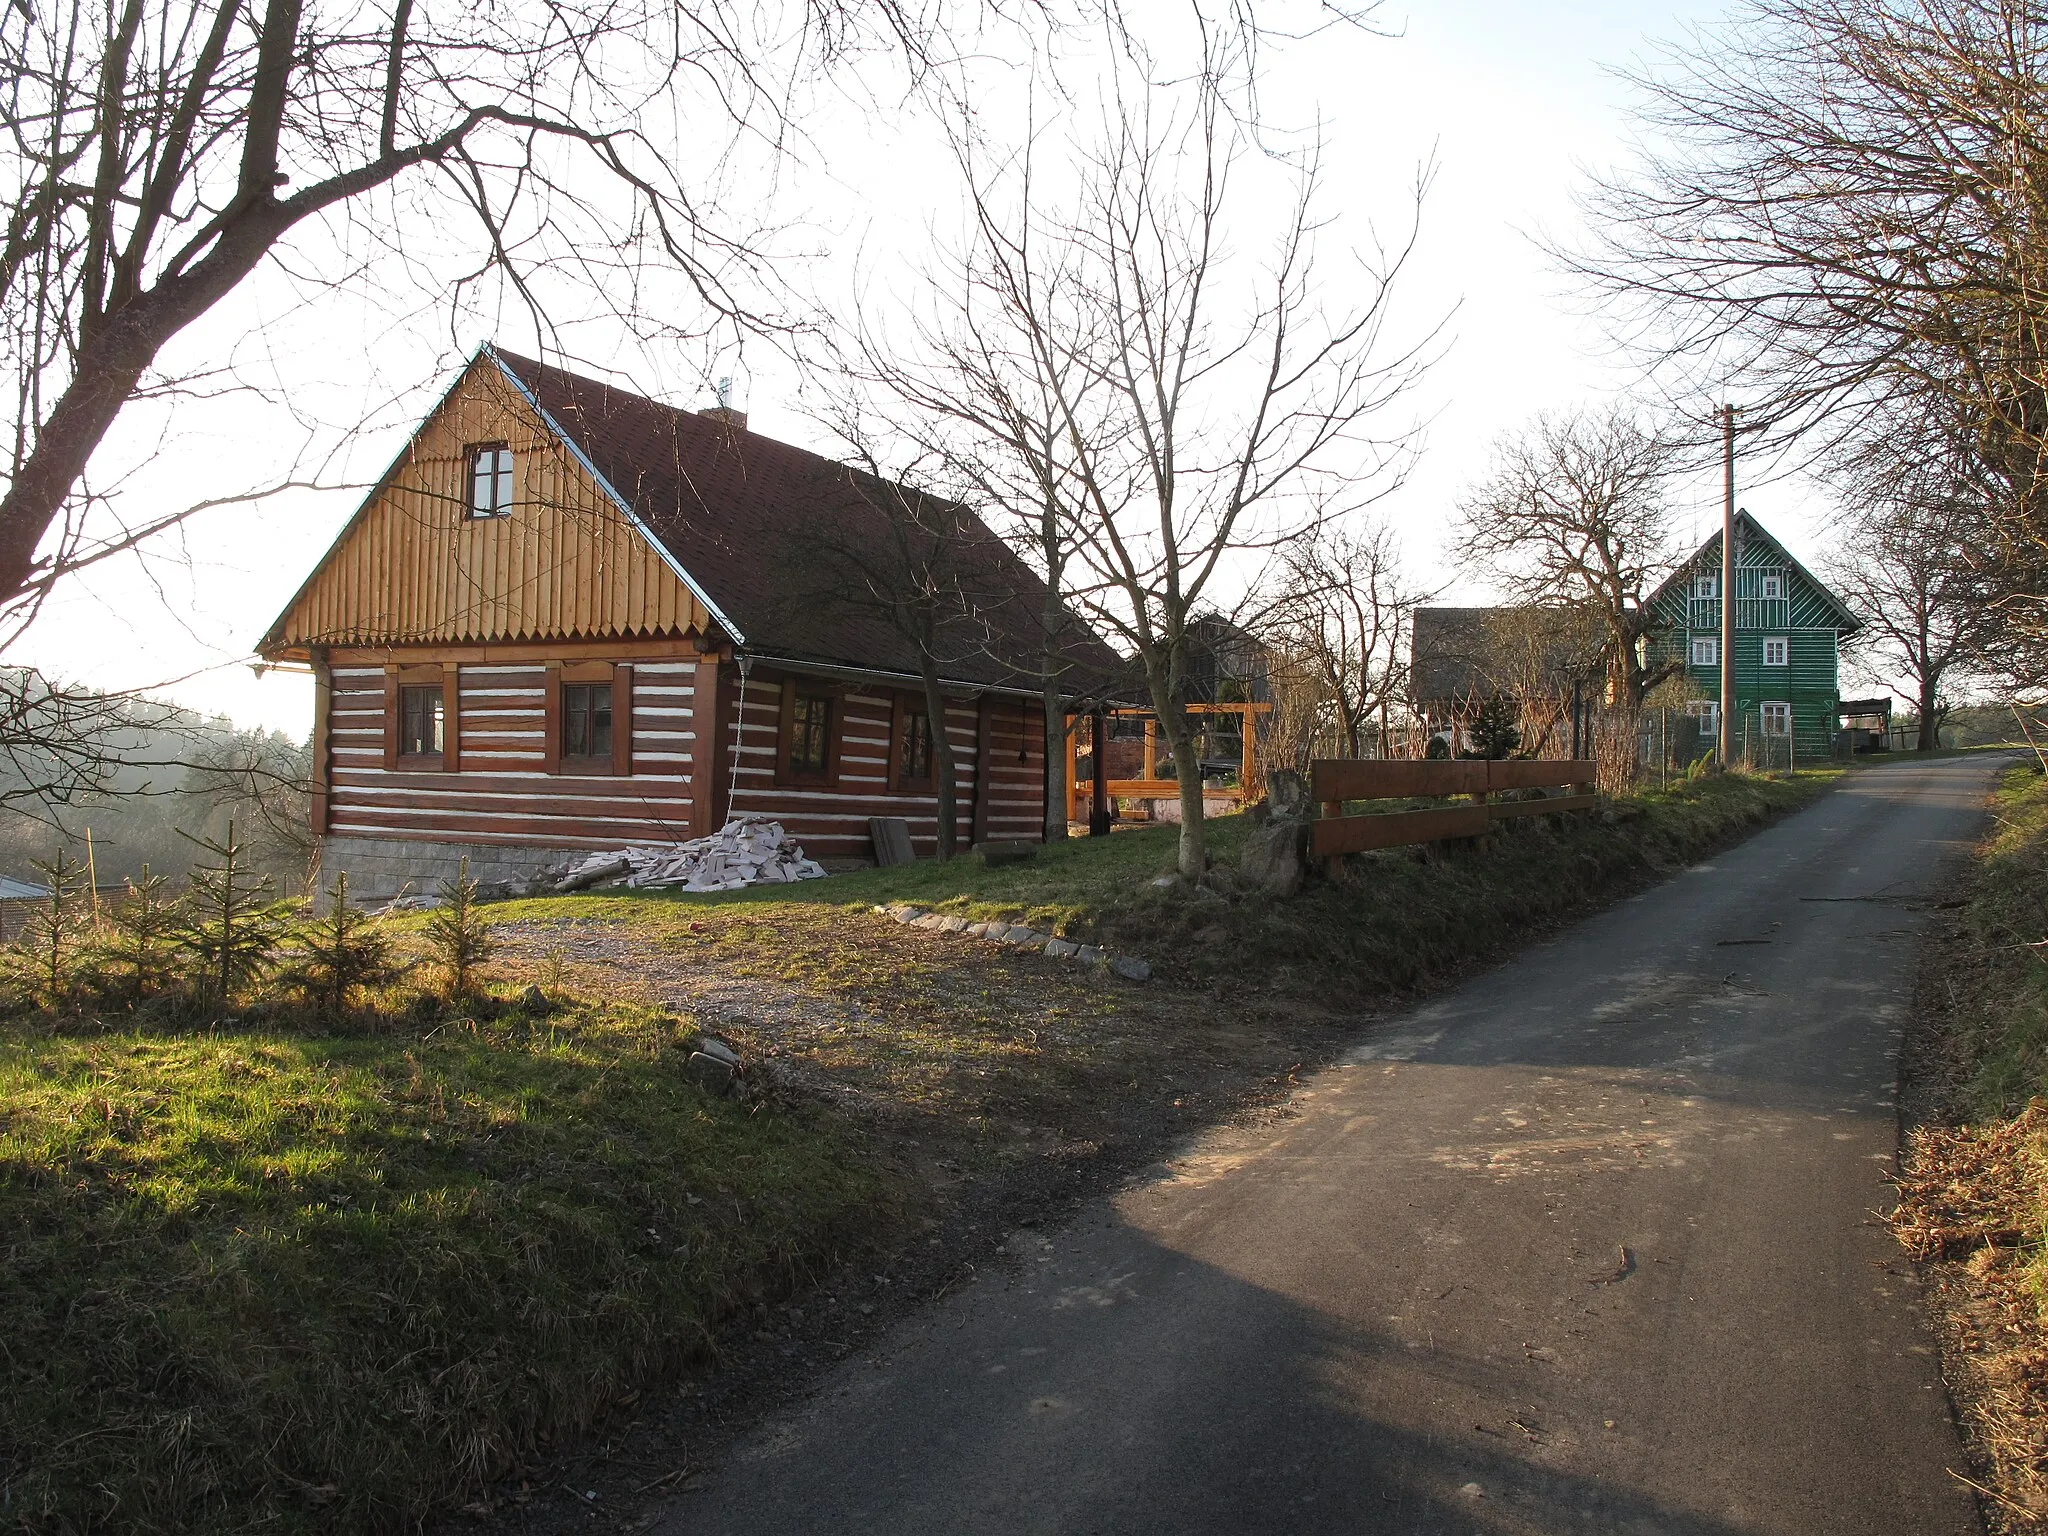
point(1334, 781)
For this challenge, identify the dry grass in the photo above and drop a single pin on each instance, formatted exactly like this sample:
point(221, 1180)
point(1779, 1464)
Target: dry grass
point(1974, 1187)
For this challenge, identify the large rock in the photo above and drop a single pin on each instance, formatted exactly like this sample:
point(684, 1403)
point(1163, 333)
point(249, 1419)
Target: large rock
point(1275, 858)
point(1287, 796)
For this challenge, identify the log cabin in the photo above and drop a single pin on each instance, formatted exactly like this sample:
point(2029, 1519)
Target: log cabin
point(570, 618)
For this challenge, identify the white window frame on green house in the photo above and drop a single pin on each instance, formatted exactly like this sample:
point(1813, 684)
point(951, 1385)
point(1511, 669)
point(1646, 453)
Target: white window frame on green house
point(1772, 588)
point(1777, 651)
point(1707, 712)
point(1777, 717)
point(1705, 651)
point(1706, 588)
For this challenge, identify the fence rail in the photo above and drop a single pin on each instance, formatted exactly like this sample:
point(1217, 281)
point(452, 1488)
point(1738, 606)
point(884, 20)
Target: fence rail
point(1334, 781)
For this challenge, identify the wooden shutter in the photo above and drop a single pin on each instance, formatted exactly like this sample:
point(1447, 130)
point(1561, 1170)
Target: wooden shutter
point(390, 718)
point(451, 717)
point(622, 718)
point(551, 720)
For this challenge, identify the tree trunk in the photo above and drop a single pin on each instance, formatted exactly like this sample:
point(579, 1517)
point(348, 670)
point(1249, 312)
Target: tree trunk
point(1930, 727)
point(943, 769)
point(1055, 763)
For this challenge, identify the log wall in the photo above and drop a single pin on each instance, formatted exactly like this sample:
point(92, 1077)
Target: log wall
point(501, 794)
point(833, 823)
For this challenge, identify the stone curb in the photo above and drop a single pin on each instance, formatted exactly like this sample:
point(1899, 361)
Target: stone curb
point(1018, 936)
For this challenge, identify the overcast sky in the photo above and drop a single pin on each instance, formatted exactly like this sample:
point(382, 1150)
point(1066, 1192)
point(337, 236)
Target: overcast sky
point(1514, 102)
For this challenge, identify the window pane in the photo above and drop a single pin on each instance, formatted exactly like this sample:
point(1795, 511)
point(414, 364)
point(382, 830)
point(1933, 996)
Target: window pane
point(586, 720)
point(419, 721)
point(501, 499)
point(808, 743)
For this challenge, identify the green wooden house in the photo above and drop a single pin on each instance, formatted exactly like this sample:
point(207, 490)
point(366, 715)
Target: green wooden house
point(1788, 634)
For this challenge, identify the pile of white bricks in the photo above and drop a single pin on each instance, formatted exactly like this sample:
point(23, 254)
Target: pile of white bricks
point(748, 850)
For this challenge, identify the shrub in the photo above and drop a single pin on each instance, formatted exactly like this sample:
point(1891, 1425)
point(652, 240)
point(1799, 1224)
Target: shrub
point(460, 939)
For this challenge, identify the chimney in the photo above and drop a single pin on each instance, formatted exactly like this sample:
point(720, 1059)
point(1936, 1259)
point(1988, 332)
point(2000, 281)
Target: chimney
point(723, 413)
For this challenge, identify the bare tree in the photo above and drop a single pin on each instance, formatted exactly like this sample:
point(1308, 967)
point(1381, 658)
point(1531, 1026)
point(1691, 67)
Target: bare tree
point(157, 154)
point(1175, 415)
point(1907, 568)
point(1339, 616)
point(1841, 209)
point(1573, 516)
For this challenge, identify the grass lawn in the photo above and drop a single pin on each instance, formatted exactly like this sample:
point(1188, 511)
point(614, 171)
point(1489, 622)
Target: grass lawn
point(259, 1274)
point(255, 1278)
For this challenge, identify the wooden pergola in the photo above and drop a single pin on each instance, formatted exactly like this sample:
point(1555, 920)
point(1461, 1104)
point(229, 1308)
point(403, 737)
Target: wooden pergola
point(1149, 785)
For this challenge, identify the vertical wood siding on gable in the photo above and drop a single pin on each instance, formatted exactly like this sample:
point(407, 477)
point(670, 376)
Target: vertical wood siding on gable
point(502, 795)
point(414, 567)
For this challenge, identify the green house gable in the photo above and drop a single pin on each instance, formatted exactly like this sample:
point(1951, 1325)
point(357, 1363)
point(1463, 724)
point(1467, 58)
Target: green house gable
point(1788, 633)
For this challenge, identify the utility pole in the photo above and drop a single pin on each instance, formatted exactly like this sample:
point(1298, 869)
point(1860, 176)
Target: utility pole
point(1727, 586)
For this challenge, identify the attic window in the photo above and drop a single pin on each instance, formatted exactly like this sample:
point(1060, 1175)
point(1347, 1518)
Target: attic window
point(1773, 588)
point(490, 479)
point(1706, 588)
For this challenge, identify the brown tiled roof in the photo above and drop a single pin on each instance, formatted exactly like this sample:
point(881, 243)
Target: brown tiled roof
point(767, 532)
point(1463, 655)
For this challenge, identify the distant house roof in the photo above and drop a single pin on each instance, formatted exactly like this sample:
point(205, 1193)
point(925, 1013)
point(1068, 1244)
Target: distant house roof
point(1467, 654)
point(1751, 541)
point(21, 890)
point(757, 523)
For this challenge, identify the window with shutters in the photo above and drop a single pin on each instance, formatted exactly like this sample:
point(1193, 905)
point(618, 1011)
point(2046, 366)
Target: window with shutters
point(490, 479)
point(421, 726)
point(587, 721)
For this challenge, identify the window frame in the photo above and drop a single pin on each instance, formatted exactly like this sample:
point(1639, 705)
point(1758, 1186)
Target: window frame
point(1706, 588)
point(1712, 643)
point(785, 734)
point(908, 711)
point(430, 697)
point(1771, 587)
point(398, 678)
point(1764, 709)
point(504, 477)
point(1784, 645)
point(593, 699)
point(618, 676)
point(1707, 712)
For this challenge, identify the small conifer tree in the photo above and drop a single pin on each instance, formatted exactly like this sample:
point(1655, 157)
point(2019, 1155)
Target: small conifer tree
point(342, 952)
point(461, 940)
point(50, 938)
point(143, 941)
point(231, 922)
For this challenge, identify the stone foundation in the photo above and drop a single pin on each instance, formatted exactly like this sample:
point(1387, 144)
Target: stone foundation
point(379, 868)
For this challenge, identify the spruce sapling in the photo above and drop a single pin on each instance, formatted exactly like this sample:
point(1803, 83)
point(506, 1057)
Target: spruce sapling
point(144, 941)
point(232, 922)
point(344, 951)
point(461, 940)
point(49, 939)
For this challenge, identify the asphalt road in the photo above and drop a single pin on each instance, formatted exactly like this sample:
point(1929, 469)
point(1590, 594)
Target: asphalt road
point(1585, 1246)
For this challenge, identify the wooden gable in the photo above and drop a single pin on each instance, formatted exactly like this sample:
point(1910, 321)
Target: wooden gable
point(413, 567)
point(1803, 602)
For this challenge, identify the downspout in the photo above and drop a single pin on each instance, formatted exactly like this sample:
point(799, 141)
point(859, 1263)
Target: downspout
point(739, 731)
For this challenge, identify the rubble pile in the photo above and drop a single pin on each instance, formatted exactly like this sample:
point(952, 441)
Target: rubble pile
point(748, 850)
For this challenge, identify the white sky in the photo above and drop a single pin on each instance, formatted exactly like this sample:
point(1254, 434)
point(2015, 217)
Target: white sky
point(1513, 100)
